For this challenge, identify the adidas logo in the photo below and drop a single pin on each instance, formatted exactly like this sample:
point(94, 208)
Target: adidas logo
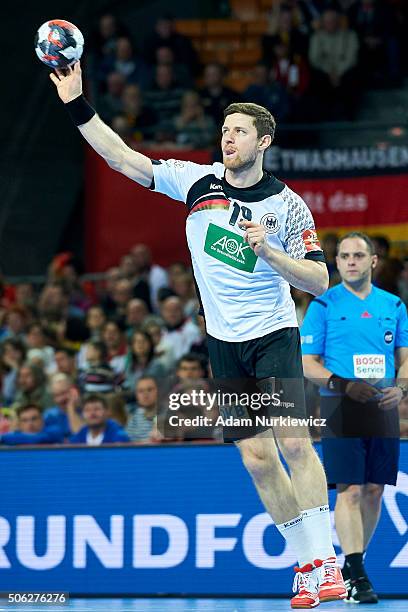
point(214, 186)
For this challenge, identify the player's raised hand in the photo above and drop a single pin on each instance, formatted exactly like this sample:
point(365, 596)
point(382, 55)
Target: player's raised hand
point(255, 236)
point(68, 82)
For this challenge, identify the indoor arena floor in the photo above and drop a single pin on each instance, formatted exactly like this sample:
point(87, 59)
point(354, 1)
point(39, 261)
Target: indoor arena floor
point(196, 605)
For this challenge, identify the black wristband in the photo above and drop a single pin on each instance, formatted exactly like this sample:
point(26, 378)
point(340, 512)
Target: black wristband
point(79, 110)
point(337, 384)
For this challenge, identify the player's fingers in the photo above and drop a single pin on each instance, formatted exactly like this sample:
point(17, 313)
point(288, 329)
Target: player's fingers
point(77, 67)
point(54, 79)
point(60, 73)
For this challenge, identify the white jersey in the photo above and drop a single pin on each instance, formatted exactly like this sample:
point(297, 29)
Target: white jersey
point(242, 296)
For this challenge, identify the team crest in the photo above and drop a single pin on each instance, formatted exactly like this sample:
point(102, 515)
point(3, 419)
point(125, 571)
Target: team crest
point(270, 223)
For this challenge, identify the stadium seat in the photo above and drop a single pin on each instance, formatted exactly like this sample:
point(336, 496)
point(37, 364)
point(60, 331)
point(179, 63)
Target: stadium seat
point(246, 57)
point(256, 28)
point(223, 28)
point(193, 28)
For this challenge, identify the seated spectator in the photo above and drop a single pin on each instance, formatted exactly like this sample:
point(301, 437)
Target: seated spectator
point(194, 128)
point(270, 94)
point(201, 347)
point(25, 296)
point(99, 429)
point(117, 409)
point(140, 118)
point(63, 414)
point(95, 320)
point(183, 287)
point(103, 40)
point(121, 295)
point(114, 338)
point(164, 98)
point(180, 331)
point(376, 24)
point(165, 35)
point(333, 55)
point(215, 96)
point(163, 349)
point(13, 354)
point(287, 33)
point(155, 275)
point(65, 269)
point(191, 367)
point(292, 73)
point(65, 361)
point(110, 103)
point(136, 313)
point(31, 428)
point(165, 57)
point(97, 375)
point(126, 62)
point(143, 414)
point(15, 322)
point(138, 278)
point(140, 360)
point(32, 387)
point(105, 298)
point(53, 303)
point(36, 340)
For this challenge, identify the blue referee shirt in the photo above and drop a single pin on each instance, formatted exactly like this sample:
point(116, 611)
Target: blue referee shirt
point(356, 337)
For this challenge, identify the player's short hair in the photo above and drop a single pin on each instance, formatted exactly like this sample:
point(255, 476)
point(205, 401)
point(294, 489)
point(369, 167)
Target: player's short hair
point(360, 235)
point(264, 121)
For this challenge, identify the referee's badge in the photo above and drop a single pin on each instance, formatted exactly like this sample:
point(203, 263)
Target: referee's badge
point(270, 223)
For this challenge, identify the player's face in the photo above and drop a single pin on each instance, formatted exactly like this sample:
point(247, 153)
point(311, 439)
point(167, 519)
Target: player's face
point(239, 142)
point(354, 261)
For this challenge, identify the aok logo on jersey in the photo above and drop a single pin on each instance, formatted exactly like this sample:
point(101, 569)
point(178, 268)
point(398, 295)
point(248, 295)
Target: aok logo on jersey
point(229, 248)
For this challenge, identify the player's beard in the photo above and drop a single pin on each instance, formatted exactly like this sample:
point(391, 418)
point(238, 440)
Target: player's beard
point(237, 163)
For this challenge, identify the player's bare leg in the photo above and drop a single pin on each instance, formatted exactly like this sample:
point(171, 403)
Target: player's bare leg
point(261, 459)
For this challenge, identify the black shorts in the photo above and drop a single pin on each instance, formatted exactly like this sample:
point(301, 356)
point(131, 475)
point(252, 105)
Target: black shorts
point(270, 364)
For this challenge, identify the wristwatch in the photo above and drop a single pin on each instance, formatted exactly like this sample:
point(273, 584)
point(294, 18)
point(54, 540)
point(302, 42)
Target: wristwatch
point(404, 388)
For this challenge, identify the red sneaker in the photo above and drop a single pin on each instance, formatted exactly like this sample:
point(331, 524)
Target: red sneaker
point(331, 583)
point(306, 584)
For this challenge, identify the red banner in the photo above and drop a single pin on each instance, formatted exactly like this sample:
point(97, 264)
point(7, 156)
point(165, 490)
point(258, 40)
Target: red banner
point(120, 213)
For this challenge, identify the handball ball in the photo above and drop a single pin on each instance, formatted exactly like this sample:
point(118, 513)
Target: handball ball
point(58, 43)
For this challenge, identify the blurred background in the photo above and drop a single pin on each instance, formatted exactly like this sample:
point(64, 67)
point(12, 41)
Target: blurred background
point(96, 289)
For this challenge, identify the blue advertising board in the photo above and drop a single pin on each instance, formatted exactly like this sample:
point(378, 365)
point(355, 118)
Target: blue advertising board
point(150, 520)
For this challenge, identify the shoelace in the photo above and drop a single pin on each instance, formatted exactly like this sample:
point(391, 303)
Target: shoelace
point(301, 581)
point(329, 570)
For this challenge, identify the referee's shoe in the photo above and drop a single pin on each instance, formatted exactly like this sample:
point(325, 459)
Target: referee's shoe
point(359, 590)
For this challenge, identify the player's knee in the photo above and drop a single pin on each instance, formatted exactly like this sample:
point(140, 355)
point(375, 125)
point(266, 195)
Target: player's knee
point(352, 495)
point(258, 463)
point(295, 450)
point(373, 493)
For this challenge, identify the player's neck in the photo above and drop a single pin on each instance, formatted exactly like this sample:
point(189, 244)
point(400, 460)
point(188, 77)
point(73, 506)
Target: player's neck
point(361, 291)
point(244, 177)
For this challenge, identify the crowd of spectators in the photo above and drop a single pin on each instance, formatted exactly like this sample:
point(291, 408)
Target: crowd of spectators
point(95, 362)
point(315, 60)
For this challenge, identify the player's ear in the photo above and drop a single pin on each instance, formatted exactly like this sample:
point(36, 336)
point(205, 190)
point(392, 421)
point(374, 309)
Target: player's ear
point(374, 261)
point(265, 142)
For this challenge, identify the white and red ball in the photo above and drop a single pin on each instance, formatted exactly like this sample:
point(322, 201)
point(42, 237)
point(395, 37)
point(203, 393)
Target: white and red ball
point(59, 43)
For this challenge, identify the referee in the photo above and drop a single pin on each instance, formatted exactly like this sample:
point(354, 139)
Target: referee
point(250, 237)
point(354, 337)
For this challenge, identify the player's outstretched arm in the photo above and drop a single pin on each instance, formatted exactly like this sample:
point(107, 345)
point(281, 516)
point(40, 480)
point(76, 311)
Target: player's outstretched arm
point(100, 136)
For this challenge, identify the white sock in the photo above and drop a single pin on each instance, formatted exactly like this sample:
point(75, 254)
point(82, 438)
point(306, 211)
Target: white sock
point(316, 523)
point(296, 536)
